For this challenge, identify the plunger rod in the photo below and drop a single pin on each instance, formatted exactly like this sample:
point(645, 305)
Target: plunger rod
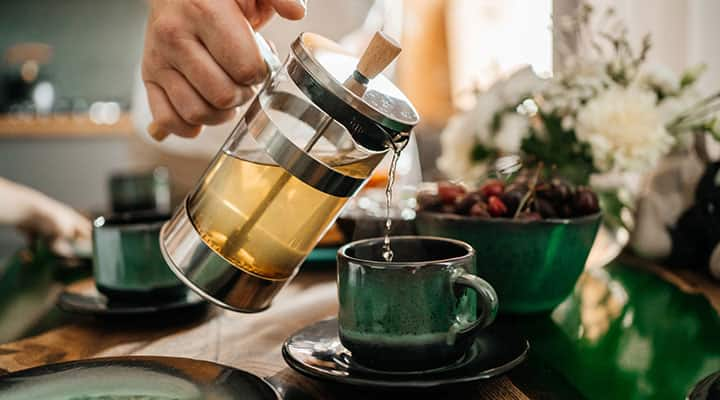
point(238, 238)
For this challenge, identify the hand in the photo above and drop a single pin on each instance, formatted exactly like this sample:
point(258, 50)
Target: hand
point(200, 57)
point(36, 214)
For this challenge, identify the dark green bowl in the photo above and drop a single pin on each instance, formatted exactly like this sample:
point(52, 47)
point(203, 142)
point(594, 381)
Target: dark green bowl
point(533, 265)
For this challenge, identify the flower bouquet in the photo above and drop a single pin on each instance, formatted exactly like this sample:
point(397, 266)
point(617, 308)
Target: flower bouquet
point(605, 120)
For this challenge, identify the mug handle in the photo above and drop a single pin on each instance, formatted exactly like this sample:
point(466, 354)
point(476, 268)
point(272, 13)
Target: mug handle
point(487, 303)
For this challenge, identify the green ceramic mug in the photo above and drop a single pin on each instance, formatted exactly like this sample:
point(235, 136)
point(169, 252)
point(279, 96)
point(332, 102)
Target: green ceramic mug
point(127, 262)
point(420, 311)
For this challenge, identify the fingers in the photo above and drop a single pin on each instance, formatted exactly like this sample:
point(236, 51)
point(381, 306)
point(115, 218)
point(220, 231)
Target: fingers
point(166, 119)
point(290, 9)
point(61, 247)
point(230, 40)
point(256, 12)
point(71, 231)
point(83, 229)
point(60, 225)
point(196, 64)
point(189, 105)
point(200, 59)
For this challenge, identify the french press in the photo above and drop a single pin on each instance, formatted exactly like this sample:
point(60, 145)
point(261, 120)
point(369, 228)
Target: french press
point(311, 137)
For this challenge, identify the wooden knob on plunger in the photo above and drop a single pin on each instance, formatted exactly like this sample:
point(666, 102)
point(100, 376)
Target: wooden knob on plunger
point(381, 51)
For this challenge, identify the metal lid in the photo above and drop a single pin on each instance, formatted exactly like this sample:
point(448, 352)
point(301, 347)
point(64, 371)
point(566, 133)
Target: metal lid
point(329, 65)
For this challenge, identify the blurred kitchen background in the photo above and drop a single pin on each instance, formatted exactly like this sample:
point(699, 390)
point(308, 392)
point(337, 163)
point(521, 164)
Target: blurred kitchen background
point(70, 71)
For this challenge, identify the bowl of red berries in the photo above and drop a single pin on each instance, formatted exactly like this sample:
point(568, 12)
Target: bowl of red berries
point(531, 236)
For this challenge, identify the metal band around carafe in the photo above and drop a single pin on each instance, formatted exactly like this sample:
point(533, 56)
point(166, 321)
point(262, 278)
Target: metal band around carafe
point(288, 155)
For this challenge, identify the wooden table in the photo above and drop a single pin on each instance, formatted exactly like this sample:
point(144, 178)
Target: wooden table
point(247, 341)
point(625, 333)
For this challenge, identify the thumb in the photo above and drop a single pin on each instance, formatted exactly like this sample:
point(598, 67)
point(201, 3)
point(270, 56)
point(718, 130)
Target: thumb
point(61, 247)
point(290, 9)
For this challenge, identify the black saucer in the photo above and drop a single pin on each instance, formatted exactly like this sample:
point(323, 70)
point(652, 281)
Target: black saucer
point(316, 351)
point(135, 377)
point(86, 300)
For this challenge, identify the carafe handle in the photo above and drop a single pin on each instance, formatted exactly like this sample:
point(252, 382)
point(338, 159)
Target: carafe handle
point(271, 59)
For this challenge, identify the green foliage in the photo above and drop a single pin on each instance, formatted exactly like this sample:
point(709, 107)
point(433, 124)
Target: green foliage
point(496, 123)
point(560, 151)
point(482, 153)
point(691, 75)
point(716, 134)
point(713, 127)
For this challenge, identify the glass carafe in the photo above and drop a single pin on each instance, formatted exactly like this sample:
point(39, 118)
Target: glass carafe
point(308, 142)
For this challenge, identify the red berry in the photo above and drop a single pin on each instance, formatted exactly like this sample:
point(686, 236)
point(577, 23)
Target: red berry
point(565, 211)
point(493, 187)
point(428, 202)
point(585, 202)
point(545, 208)
point(464, 203)
point(512, 199)
point(556, 191)
point(479, 209)
point(449, 192)
point(496, 207)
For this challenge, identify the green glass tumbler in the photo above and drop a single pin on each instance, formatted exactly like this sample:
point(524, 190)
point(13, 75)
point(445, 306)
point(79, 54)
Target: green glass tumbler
point(127, 263)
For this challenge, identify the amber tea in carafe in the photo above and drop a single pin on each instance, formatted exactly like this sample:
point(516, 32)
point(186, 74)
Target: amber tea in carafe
point(264, 233)
point(308, 142)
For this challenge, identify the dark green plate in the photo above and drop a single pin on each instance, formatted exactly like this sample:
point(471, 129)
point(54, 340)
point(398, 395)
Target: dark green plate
point(135, 378)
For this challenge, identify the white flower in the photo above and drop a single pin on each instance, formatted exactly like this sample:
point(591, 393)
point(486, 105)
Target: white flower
point(614, 180)
point(457, 142)
point(565, 94)
point(513, 128)
point(672, 106)
point(520, 85)
point(625, 130)
point(480, 117)
point(463, 132)
point(587, 74)
point(659, 77)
